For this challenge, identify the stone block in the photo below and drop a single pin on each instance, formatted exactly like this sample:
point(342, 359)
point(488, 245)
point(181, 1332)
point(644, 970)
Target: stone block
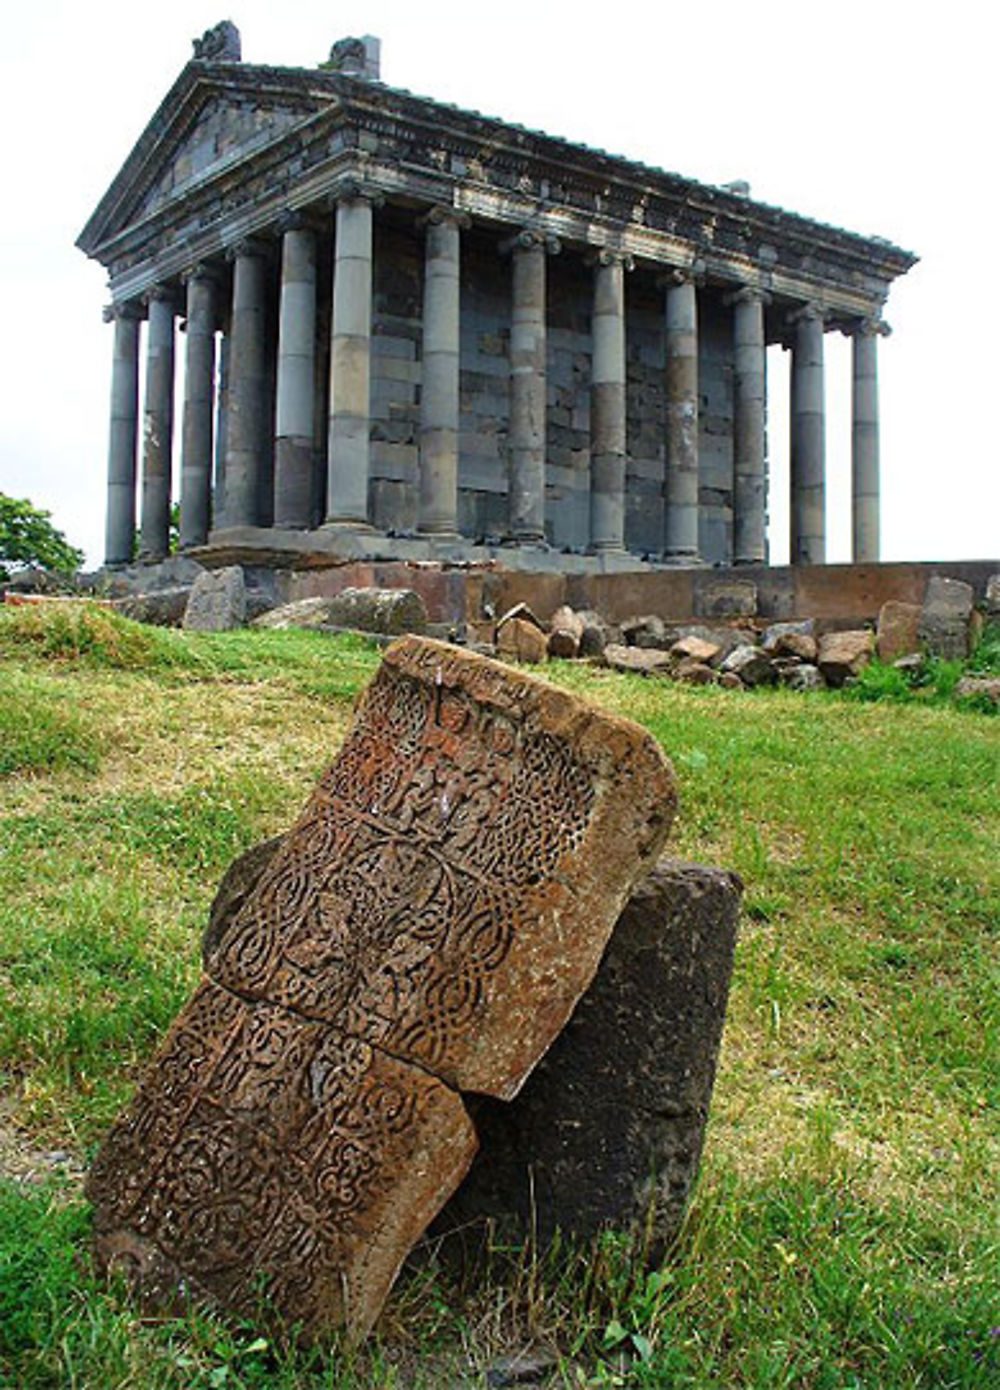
point(642, 661)
point(521, 640)
point(726, 598)
point(843, 654)
point(695, 649)
point(898, 630)
point(944, 623)
point(608, 1129)
point(565, 631)
point(751, 664)
point(647, 631)
point(694, 672)
point(160, 608)
point(802, 677)
point(775, 639)
point(982, 689)
point(426, 928)
point(218, 601)
point(386, 611)
point(992, 596)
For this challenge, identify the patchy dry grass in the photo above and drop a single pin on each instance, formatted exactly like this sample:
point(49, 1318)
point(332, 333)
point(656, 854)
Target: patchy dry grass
point(845, 1232)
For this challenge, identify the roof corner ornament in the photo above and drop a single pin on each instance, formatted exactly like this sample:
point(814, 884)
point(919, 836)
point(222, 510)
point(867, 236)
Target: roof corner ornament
point(220, 44)
point(356, 57)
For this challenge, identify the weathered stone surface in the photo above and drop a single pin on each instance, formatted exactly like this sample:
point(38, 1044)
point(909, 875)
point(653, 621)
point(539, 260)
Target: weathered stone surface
point(728, 598)
point(218, 601)
point(898, 631)
point(566, 629)
point(727, 639)
point(426, 927)
point(801, 645)
point(642, 661)
point(979, 688)
point(160, 608)
point(694, 672)
point(844, 654)
point(595, 634)
point(695, 649)
point(609, 1125)
point(992, 597)
point(729, 680)
point(519, 612)
point(802, 677)
point(648, 632)
point(522, 641)
point(751, 664)
point(389, 612)
point(944, 623)
point(775, 637)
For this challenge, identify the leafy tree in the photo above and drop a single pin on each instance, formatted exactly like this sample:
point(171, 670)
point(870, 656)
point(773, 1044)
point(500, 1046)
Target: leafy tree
point(27, 537)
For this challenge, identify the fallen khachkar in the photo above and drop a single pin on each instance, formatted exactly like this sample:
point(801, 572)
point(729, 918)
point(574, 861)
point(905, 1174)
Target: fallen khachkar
point(425, 928)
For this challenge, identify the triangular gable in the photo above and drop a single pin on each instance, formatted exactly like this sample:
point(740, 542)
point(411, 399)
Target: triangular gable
point(209, 121)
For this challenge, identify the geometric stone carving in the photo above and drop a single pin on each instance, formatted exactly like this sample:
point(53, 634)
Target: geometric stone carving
point(426, 927)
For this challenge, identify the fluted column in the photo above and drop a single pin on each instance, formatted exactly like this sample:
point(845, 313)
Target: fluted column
point(526, 439)
point(808, 440)
point(219, 513)
point(199, 406)
point(439, 384)
point(295, 411)
point(158, 426)
point(350, 365)
point(864, 441)
point(122, 432)
point(681, 485)
point(246, 414)
point(607, 405)
point(749, 438)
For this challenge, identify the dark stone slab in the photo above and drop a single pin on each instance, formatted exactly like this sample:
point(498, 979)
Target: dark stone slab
point(608, 1129)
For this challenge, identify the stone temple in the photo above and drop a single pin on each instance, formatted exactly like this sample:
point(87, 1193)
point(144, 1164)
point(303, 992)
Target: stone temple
point(415, 332)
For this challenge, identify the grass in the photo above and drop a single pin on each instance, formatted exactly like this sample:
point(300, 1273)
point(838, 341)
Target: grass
point(845, 1231)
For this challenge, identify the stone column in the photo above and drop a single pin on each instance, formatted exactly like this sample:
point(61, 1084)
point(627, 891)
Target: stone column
point(439, 385)
point(295, 411)
point(123, 426)
point(749, 438)
point(526, 439)
point(864, 441)
point(808, 440)
point(158, 427)
point(350, 365)
point(199, 406)
point(219, 513)
point(681, 486)
point(246, 414)
point(607, 405)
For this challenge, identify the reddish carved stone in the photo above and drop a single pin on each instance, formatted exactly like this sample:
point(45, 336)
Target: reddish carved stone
point(426, 927)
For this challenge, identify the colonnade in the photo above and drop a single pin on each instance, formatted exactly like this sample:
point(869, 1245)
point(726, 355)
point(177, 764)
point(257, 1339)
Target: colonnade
point(233, 433)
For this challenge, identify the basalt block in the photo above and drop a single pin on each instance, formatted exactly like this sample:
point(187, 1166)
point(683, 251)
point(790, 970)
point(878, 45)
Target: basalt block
point(424, 929)
point(608, 1129)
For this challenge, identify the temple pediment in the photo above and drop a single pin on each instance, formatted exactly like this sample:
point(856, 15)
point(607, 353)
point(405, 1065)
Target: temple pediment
point(206, 126)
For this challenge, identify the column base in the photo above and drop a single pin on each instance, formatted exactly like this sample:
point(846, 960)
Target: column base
point(348, 524)
point(683, 559)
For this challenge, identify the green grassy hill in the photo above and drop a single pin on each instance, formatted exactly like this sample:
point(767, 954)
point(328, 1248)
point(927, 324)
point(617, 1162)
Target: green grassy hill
point(846, 1229)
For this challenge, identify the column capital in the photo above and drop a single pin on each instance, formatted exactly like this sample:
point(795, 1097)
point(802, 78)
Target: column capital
point(748, 294)
point(810, 312)
point(127, 309)
point(529, 239)
point(868, 328)
point(354, 190)
point(247, 246)
point(693, 274)
point(200, 271)
point(160, 293)
point(607, 256)
point(296, 220)
point(441, 214)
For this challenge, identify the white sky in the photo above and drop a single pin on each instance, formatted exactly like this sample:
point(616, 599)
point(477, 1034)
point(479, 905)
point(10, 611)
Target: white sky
point(880, 116)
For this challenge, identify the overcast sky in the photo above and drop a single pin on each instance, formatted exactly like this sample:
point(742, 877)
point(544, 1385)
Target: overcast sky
point(880, 117)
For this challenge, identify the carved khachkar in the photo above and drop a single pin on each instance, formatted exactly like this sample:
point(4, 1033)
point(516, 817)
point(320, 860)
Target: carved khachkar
point(425, 928)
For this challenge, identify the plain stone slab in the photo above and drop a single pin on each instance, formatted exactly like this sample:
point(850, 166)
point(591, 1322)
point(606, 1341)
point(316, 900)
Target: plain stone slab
point(389, 612)
point(521, 640)
point(727, 598)
point(648, 631)
point(946, 618)
point(608, 1129)
point(565, 631)
point(159, 608)
point(218, 601)
point(897, 632)
point(992, 596)
point(802, 677)
point(642, 661)
point(426, 928)
point(844, 654)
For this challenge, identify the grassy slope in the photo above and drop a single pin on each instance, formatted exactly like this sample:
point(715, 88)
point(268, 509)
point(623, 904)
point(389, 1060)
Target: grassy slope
point(846, 1230)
